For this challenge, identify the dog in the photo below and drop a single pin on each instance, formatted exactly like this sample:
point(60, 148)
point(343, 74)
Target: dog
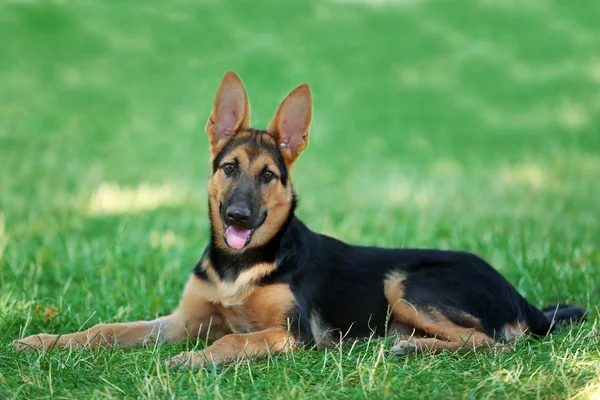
point(266, 283)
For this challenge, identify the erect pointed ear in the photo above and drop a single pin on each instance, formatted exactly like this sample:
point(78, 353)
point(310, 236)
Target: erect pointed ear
point(292, 122)
point(230, 112)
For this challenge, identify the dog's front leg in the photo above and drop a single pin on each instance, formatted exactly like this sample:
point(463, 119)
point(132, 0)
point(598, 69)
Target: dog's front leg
point(195, 317)
point(235, 347)
point(168, 329)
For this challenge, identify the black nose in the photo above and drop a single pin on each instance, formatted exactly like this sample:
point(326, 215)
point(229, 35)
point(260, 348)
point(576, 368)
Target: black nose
point(238, 215)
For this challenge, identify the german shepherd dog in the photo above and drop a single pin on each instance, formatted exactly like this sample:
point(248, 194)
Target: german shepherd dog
point(266, 283)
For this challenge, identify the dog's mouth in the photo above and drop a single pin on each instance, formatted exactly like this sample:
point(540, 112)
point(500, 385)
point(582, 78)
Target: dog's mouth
point(238, 237)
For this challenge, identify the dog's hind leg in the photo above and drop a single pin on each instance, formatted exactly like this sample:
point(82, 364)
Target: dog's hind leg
point(195, 317)
point(442, 333)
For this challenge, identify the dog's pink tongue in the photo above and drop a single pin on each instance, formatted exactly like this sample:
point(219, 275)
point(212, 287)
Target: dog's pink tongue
point(236, 237)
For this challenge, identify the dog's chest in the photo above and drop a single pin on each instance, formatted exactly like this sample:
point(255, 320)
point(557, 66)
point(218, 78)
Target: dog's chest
point(229, 294)
point(241, 319)
point(249, 308)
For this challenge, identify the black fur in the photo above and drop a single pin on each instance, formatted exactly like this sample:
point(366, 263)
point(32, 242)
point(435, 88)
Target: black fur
point(560, 313)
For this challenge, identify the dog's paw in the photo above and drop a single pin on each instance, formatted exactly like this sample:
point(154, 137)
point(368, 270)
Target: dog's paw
point(403, 348)
point(40, 341)
point(501, 348)
point(189, 359)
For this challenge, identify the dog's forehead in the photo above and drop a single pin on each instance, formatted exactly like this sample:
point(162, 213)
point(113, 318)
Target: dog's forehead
point(252, 149)
point(256, 148)
point(259, 154)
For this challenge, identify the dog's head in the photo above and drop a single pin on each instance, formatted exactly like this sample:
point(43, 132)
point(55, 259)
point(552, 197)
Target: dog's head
point(250, 192)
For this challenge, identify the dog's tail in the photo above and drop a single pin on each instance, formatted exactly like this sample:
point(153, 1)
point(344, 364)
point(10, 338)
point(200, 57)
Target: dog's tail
point(544, 321)
point(561, 313)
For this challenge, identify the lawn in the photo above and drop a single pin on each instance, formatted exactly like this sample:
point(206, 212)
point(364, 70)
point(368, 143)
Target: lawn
point(452, 124)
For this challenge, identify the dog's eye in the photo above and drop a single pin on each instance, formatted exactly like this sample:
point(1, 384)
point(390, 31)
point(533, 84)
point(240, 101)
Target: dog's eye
point(268, 175)
point(229, 168)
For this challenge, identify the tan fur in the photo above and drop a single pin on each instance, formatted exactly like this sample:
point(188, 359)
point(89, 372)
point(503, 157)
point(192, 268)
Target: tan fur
point(266, 306)
point(229, 293)
point(278, 202)
point(393, 286)
point(447, 334)
point(259, 322)
point(237, 347)
point(276, 198)
point(515, 330)
point(243, 305)
point(195, 317)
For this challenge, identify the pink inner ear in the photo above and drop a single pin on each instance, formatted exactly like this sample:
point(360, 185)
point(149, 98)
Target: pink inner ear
point(291, 135)
point(226, 123)
point(229, 109)
point(293, 124)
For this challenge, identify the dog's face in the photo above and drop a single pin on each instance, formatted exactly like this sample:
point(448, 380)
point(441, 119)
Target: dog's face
point(250, 192)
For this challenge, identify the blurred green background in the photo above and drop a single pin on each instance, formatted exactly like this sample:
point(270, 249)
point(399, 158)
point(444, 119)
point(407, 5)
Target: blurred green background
point(453, 124)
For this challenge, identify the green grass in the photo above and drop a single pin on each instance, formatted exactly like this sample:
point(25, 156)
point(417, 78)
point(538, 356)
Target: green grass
point(469, 125)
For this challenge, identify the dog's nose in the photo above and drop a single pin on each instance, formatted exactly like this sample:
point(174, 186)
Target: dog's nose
point(238, 215)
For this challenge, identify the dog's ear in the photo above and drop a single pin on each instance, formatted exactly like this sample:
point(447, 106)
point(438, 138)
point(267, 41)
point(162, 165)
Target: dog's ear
point(292, 122)
point(230, 112)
